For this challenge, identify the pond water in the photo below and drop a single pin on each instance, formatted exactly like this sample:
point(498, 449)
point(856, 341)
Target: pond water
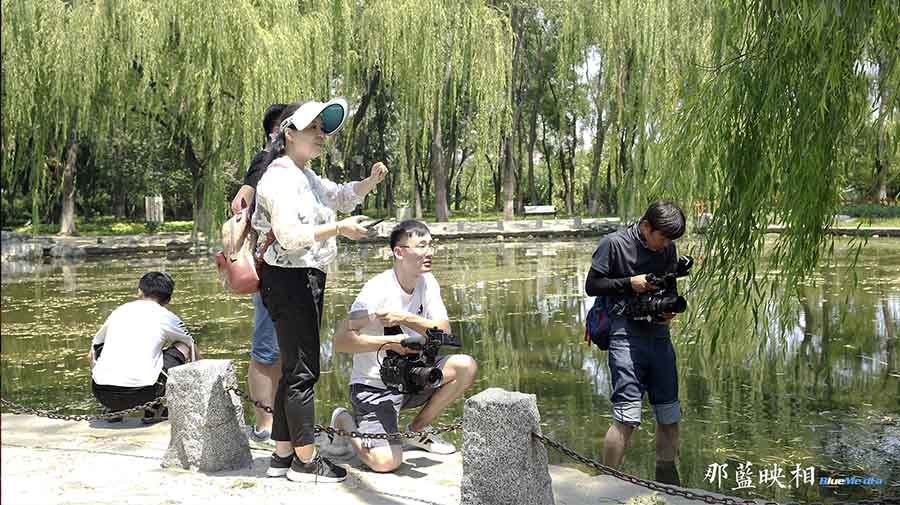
point(824, 391)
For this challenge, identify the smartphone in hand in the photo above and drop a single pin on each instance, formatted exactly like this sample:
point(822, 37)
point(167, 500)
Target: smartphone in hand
point(370, 224)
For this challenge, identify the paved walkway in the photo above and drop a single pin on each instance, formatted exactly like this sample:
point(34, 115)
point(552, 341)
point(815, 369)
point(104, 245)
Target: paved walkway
point(54, 462)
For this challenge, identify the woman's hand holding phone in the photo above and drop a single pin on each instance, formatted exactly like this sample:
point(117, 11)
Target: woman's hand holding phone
point(352, 228)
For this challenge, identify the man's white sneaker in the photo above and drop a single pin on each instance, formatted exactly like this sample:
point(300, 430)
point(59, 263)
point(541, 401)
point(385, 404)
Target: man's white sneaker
point(430, 442)
point(342, 419)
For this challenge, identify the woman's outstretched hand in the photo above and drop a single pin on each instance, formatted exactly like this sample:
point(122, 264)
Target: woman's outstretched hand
point(379, 172)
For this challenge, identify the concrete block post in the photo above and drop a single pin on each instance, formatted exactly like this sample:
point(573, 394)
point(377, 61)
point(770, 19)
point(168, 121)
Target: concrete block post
point(461, 226)
point(502, 463)
point(207, 421)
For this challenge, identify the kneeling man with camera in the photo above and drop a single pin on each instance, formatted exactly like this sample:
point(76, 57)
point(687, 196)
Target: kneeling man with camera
point(395, 328)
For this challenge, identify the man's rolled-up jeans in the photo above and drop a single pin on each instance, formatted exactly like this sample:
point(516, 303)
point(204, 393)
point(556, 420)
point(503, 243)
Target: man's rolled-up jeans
point(638, 365)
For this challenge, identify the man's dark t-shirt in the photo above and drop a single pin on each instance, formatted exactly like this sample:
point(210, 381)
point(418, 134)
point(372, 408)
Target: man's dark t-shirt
point(624, 254)
point(256, 170)
point(254, 174)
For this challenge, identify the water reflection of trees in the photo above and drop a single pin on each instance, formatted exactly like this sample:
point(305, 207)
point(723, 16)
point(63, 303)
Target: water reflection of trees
point(519, 309)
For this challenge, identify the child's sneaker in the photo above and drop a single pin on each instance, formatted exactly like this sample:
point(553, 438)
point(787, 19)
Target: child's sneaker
point(262, 438)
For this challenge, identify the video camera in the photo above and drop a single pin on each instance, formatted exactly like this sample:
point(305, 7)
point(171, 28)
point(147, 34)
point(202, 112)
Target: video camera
point(412, 373)
point(665, 299)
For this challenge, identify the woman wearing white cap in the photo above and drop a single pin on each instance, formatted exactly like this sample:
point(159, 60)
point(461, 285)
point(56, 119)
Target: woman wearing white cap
point(298, 207)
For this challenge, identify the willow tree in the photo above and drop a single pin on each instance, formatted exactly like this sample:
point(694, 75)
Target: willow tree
point(216, 71)
point(424, 50)
point(66, 76)
point(766, 136)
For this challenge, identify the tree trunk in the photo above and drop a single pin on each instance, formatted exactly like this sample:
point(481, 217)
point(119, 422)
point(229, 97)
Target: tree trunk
point(607, 197)
point(509, 180)
point(532, 140)
point(495, 178)
point(570, 202)
point(549, 199)
point(418, 198)
point(597, 151)
point(67, 217)
point(438, 165)
point(624, 118)
point(882, 165)
point(520, 190)
point(355, 159)
point(196, 169)
point(509, 176)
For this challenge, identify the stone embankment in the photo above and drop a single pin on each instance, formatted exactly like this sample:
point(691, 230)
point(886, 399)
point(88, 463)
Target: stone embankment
point(34, 248)
point(26, 247)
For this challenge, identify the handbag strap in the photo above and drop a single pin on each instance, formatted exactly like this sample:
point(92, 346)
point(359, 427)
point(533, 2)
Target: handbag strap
point(241, 220)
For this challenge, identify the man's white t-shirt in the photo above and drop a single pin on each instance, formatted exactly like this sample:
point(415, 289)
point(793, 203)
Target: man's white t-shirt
point(133, 338)
point(383, 292)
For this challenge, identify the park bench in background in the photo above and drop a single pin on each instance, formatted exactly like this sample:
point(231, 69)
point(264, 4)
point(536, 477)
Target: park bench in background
point(538, 210)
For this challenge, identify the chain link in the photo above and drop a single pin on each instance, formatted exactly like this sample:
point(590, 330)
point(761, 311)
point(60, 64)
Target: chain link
point(685, 493)
point(335, 432)
point(21, 409)
point(455, 425)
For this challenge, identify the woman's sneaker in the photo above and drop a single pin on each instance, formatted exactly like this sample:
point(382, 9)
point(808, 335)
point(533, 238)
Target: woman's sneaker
point(278, 466)
point(320, 469)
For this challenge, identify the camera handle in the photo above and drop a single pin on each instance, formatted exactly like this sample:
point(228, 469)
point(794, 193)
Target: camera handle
point(416, 343)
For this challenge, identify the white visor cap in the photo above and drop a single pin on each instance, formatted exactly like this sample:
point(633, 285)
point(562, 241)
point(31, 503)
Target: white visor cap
point(332, 112)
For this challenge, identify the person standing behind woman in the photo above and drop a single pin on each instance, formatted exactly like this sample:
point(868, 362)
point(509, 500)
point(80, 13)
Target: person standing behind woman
point(298, 207)
point(264, 369)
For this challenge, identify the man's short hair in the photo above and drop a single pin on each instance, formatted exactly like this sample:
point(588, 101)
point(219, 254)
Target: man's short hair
point(406, 229)
point(157, 285)
point(666, 217)
point(270, 119)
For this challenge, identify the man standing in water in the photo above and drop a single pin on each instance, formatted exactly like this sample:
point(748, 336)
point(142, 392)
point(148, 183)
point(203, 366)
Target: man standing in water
point(641, 357)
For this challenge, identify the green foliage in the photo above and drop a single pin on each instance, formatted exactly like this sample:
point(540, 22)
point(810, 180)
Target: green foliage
point(109, 225)
point(870, 210)
point(766, 111)
point(766, 137)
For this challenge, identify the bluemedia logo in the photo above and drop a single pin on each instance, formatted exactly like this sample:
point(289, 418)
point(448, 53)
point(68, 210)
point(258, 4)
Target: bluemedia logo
point(851, 481)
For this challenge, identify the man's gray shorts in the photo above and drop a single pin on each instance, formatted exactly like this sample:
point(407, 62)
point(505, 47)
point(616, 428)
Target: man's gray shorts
point(377, 410)
point(641, 365)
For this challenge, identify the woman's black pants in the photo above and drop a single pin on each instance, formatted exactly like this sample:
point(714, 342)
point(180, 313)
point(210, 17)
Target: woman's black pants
point(294, 298)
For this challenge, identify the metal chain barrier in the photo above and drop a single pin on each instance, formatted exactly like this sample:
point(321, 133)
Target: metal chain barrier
point(455, 425)
point(685, 493)
point(335, 432)
point(15, 408)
